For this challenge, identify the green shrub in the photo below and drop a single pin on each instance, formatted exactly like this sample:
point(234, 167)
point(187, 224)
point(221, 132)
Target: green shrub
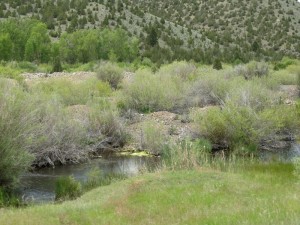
point(252, 69)
point(7, 198)
point(7, 72)
point(182, 69)
point(150, 92)
point(72, 93)
point(282, 117)
point(253, 94)
point(230, 125)
point(15, 122)
point(217, 65)
point(152, 138)
point(110, 73)
point(67, 188)
point(284, 63)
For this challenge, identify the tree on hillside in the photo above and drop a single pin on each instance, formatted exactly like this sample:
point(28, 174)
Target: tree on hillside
point(37, 47)
point(217, 65)
point(6, 46)
point(56, 59)
point(152, 38)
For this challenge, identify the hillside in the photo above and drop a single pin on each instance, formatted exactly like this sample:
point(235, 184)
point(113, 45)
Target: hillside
point(201, 30)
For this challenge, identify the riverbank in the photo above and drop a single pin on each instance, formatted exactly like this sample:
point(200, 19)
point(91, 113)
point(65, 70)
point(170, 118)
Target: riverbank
point(249, 194)
point(49, 120)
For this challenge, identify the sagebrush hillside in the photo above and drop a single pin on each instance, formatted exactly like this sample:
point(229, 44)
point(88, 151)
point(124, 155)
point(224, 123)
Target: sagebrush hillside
point(200, 30)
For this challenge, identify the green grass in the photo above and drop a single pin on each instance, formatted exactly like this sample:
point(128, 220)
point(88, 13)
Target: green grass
point(253, 194)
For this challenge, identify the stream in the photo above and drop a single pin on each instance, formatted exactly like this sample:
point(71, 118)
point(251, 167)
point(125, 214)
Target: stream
point(39, 186)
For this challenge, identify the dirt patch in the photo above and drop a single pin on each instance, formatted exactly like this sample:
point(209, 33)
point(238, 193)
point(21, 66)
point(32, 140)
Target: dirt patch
point(289, 93)
point(76, 76)
point(170, 124)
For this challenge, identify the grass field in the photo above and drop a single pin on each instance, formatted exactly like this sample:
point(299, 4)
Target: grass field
point(253, 194)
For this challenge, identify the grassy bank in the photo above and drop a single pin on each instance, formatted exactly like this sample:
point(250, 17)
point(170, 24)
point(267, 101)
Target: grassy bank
point(253, 194)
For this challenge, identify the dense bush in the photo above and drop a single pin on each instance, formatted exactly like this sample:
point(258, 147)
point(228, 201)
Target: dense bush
point(105, 122)
point(110, 73)
point(152, 139)
point(16, 120)
point(182, 69)
point(284, 63)
point(8, 198)
point(150, 92)
point(232, 126)
point(217, 65)
point(282, 117)
point(252, 69)
point(72, 93)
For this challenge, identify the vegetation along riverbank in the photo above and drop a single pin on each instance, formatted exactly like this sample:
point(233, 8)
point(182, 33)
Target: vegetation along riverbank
point(209, 90)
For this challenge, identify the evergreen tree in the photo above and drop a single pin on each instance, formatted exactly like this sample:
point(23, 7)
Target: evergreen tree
point(217, 65)
point(152, 38)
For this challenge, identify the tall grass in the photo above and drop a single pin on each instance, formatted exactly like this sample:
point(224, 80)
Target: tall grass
point(186, 154)
point(67, 188)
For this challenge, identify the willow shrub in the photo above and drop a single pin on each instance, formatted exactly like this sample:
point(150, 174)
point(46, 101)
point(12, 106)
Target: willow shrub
point(149, 92)
point(73, 93)
point(110, 73)
point(15, 123)
point(231, 125)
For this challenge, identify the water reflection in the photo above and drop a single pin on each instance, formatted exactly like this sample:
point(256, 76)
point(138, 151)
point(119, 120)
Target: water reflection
point(39, 186)
point(282, 155)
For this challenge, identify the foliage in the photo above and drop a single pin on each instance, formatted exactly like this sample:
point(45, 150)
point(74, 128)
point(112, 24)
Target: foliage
point(110, 73)
point(152, 138)
point(184, 70)
point(231, 126)
point(88, 45)
point(67, 188)
point(105, 122)
point(282, 117)
point(71, 93)
point(37, 47)
point(7, 198)
point(253, 69)
point(152, 38)
point(150, 92)
point(217, 64)
point(284, 63)
point(15, 122)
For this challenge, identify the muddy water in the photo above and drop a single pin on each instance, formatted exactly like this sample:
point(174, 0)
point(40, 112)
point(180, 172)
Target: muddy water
point(38, 187)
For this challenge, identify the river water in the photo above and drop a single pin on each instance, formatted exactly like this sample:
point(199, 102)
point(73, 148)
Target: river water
point(39, 186)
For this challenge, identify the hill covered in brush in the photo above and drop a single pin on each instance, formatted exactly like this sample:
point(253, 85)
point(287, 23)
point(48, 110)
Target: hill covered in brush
point(175, 30)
